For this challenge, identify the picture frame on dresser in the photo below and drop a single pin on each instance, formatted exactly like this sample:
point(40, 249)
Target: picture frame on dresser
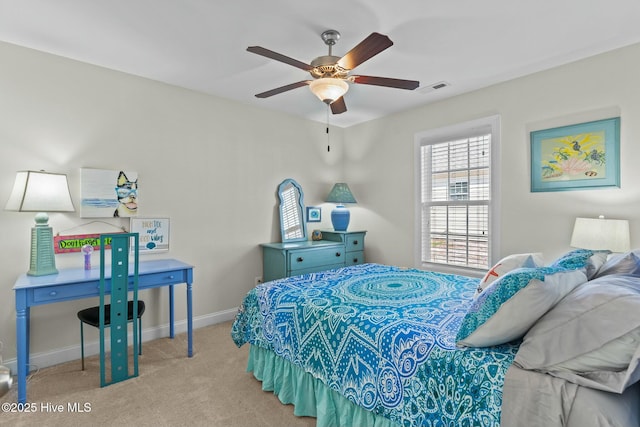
point(314, 214)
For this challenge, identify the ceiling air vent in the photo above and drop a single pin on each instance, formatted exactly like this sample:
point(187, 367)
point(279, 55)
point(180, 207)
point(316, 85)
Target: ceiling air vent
point(433, 86)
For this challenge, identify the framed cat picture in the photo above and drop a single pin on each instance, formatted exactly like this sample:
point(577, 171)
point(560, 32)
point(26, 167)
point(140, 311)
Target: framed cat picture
point(108, 193)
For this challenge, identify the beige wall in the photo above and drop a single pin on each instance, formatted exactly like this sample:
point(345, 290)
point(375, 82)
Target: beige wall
point(379, 155)
point(212, 166)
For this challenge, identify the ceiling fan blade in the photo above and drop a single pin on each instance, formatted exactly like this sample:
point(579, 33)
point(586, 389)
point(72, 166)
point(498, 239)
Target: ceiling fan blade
point(367, 48)
point(279, 57)
point(386, 81)
point(338, 106)
point(282, 89)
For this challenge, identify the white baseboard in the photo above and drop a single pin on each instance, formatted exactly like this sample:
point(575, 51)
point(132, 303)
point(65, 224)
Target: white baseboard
point(67, 354)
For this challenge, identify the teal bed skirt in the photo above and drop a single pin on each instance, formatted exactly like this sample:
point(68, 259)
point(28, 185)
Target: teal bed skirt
point(310, 397)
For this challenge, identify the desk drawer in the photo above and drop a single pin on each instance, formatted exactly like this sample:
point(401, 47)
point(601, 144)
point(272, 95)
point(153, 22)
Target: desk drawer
point(82, 290)
point(65, 292)
point(311, 259)
point(154, 280)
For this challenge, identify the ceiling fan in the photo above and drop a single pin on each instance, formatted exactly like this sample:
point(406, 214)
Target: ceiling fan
point(331, 73)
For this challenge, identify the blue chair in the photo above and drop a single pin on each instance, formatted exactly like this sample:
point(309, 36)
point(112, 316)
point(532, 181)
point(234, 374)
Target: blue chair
point(119, 311)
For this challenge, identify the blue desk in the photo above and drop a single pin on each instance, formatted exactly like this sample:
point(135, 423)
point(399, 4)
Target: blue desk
point(76, 283)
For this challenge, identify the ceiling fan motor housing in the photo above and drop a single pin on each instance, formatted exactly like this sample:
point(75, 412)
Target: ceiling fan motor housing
point(327, 67)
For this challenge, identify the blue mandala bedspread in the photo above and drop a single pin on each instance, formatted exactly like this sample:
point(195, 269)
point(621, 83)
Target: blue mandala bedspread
point(383, 337)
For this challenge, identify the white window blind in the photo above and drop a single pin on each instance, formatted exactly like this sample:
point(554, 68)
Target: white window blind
point(455, 201)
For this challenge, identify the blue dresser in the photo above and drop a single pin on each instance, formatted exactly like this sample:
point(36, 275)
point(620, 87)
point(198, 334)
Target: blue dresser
point(336, 249)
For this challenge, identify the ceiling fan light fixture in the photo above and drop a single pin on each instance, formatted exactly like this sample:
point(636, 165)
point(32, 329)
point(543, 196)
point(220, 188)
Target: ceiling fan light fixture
point(328, 89)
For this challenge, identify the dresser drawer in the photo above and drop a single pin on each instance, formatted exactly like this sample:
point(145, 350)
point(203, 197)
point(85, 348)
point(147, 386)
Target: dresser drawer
point(354, 258)
point(311, 259)
point(355, 242)
point(316, 269)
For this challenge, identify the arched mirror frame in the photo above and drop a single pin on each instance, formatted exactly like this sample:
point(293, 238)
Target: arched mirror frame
point(293, 227)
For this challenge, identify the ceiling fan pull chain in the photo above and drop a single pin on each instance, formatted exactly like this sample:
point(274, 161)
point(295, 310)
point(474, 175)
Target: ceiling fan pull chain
point(328, 138)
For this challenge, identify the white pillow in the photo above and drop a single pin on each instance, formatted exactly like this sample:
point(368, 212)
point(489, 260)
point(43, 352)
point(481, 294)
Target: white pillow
point(507, 264)
point(626, 263)
point(572, 341)
point(508, 308)
point(614, 355)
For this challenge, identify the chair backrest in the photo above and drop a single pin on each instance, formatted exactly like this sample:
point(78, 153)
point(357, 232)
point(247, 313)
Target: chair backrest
point(122, 281)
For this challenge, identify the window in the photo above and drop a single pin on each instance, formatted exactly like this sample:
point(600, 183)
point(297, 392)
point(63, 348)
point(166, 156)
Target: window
point(455, 208)
point(459, 190)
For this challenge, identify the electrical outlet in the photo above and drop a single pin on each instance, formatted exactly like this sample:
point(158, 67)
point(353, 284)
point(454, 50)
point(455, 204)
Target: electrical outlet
point(258, 280)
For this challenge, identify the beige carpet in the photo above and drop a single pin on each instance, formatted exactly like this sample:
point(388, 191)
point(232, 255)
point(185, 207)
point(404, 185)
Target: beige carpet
point(210, 389)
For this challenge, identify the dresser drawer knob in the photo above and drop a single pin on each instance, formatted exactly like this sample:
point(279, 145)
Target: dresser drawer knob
point(355, 260)
point(171, 277)
point(300, 259)
point(355, 242)
point(338, 254)
point(53, 293)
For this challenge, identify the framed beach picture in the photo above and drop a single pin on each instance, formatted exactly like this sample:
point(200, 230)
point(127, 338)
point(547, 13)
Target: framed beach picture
point(576, 157)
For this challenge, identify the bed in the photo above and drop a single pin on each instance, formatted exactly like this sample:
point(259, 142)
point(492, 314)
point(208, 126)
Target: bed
point(382, 346)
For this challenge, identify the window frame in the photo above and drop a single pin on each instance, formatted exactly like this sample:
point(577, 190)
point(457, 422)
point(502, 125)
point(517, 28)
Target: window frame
point(454, 132)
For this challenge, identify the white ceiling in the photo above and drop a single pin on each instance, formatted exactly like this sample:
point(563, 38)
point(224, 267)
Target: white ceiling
point(201, 44)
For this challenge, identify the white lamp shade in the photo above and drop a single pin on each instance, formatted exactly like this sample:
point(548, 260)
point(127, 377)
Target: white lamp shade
point(328, 89)
point(40, 192)
point(601, 234)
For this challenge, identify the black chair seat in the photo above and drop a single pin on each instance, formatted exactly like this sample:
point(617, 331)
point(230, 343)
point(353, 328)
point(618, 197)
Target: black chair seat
point(91, 315)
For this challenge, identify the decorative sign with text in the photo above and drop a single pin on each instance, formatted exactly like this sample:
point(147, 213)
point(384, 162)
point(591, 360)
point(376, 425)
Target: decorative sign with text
point(154, 233)
point(74, 243)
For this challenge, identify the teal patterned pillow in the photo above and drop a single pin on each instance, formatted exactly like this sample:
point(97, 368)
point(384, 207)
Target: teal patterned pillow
point(506, 310)
point(588, 260)
point(578, 258)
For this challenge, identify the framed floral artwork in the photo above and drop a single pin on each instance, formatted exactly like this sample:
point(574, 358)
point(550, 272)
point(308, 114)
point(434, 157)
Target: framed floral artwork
point(576, 157)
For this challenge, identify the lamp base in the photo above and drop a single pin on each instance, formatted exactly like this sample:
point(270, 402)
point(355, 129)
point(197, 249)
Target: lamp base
point(340, 217)
point(43, 261)
point(5, 380)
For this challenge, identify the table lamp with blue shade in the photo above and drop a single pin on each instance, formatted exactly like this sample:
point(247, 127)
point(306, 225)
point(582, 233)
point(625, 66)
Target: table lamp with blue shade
point(39, 191)
point(340, 194)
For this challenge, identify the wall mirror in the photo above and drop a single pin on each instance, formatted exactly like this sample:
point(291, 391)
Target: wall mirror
point(292, 224)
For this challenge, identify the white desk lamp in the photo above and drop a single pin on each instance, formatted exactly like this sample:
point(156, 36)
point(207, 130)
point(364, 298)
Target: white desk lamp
point(41, 192)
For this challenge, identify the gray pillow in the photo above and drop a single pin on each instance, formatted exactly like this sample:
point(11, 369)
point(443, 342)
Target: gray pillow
point(591, 317)
point(627, 263)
